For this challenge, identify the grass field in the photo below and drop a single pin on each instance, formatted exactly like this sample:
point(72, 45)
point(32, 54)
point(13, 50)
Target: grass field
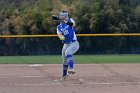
point(79, 59)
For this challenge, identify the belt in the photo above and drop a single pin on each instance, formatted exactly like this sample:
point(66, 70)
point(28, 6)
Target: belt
point(70, 42)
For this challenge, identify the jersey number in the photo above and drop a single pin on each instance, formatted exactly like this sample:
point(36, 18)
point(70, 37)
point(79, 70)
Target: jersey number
point(66, 32)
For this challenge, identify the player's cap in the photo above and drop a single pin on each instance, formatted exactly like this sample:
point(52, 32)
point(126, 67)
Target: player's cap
point(63, 14)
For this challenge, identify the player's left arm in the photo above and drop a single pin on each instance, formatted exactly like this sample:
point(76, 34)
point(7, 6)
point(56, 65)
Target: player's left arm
point(71, 23)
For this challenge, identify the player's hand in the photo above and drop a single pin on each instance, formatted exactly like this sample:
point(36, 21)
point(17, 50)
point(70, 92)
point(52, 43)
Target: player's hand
point(62, 38)
point(65, 22)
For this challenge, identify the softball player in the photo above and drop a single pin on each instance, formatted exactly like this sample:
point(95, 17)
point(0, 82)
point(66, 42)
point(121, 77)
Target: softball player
point(66, 33)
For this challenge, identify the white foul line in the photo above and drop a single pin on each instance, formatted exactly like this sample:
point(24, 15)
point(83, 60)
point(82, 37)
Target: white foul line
point(37, 76)
point(26, 76)
point(70, 84)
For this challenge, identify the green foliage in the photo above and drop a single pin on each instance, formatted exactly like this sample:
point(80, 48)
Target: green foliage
point(91, 16)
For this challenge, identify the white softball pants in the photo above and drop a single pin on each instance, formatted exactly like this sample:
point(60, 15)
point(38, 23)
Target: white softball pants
point(69, 49)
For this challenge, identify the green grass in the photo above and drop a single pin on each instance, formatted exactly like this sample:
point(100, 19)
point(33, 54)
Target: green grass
point(108, 59)
point(80, 59)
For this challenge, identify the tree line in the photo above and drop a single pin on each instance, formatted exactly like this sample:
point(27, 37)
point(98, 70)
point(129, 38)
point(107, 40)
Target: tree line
point(91, 16)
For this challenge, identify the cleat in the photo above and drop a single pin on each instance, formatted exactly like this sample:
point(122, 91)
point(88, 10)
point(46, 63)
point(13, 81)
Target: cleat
point(71, 71)
point(64, 77)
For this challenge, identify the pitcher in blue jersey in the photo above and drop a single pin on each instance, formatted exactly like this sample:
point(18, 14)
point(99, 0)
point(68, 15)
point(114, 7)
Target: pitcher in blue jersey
point(66, 33)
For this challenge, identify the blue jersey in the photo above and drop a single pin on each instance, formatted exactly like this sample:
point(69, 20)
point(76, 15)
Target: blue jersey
point(67, 31)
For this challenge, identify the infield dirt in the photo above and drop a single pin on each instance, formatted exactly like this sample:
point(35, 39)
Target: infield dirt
point(89, 78)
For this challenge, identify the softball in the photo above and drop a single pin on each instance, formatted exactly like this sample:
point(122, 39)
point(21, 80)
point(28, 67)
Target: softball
point(62, 38)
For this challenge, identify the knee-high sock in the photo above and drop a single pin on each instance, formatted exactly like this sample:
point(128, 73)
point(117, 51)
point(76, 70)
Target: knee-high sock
point(70, 61)
point(65, 68)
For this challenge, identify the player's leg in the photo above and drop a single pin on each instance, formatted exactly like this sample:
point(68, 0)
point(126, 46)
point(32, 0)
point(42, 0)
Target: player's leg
point(73, 48)
point(65, 63)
